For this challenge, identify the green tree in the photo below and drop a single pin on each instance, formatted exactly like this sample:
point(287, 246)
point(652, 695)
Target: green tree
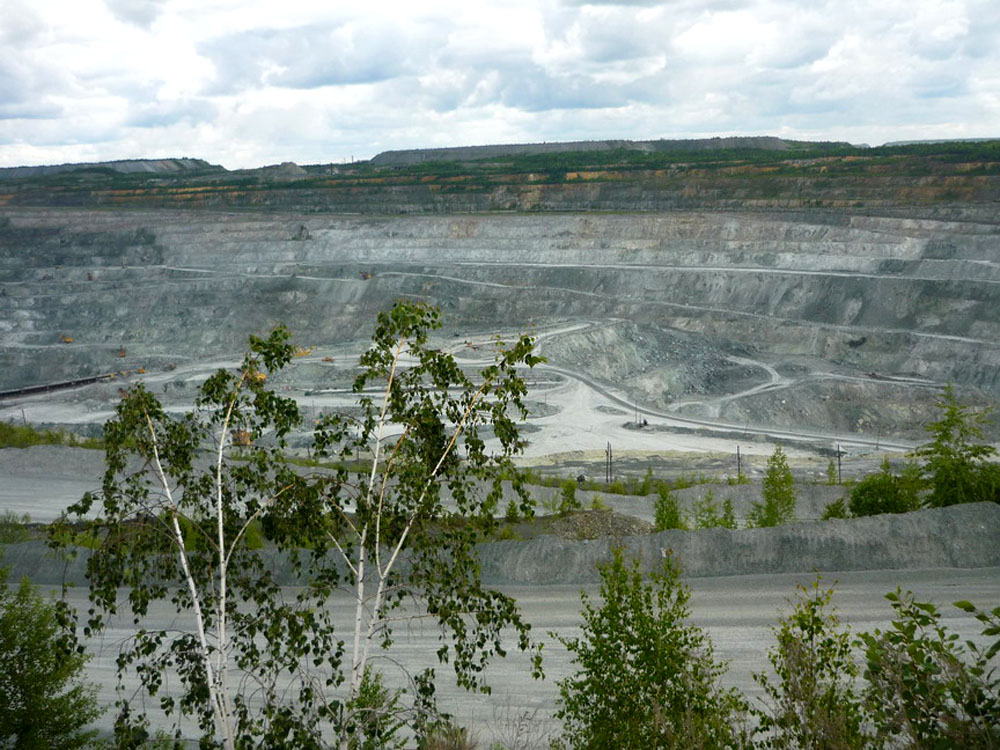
point(666, 512)
point(567, 497)
point(884, 492)
point(706, 511)
point(272, 671)
point(812, 699)
point(831, 472)
point(955, 461)
point(778, 494)
point(43, 703)
point(645, 678)
point(728, 518)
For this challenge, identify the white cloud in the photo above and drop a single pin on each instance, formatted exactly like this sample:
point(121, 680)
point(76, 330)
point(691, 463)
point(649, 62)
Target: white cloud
point(247, 82)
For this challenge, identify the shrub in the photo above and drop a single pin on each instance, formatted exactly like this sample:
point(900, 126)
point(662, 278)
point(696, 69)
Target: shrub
point(449, 736)
point(645, 678)
point(708, 515)
point(567, 497)
point(812, 701)
point(375, 713)
point(926, 688)
point(884, 492)
point(778, 492)
point(596, 503)
point(728, 518)
point(14, 528)
point(836, 509)
point(666, 512)
point(706, 511)
point(24, 436)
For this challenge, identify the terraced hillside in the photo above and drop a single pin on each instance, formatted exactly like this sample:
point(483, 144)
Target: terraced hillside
point(821, 318)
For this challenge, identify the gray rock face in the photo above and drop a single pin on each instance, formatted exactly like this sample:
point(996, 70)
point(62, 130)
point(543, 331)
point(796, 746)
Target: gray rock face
point(962, 536)
point(900, 297)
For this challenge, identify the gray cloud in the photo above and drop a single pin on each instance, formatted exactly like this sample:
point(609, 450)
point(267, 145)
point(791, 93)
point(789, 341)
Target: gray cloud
point(310, 57)
point(139, 12)
point(161, 114)
point(370, 79)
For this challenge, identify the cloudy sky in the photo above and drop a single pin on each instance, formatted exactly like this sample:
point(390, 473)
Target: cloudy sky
point(245, 83)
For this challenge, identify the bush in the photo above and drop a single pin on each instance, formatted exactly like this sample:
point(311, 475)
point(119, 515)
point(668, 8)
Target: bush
point(812, 699)
point(666, 512)
point(831, 473)
point(728, 518)
point(836, 509)
point(375, 712)
point(645, 678)
point(14, 528)
point(596, 503)
point(24, 436)
point(567, 497)
point(708, 515)
point(926, 688)
point(886, 493)
point(778, 491)
point(43, 704)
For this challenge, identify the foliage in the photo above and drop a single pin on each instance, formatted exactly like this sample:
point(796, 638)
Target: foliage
point(925, 687)
point(831, 473)
point(14, 528)
point(956, 459)
point(708, 515)
point(43, 703)
point(885, 492)
point(778, 493)
point(630, 485)
point(705, 511)
point(596, 503)
point(812, 701)
point(26, 435)
point(645, 678)
point(449, 736)
point(178, 531)
point(567, 497)
point(666, 511)
point(376, 715)
point(836, 509)
point(514, 729)
point(728, 518)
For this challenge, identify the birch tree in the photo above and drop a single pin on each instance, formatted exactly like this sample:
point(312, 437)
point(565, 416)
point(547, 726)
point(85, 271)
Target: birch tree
point(199, 511)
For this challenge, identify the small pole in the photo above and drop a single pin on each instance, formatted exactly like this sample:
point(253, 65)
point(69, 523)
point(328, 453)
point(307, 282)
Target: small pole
point(739, 464)
point(23, 420)
point(839, 480)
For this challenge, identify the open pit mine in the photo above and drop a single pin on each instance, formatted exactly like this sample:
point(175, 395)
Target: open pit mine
point(691, 301)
